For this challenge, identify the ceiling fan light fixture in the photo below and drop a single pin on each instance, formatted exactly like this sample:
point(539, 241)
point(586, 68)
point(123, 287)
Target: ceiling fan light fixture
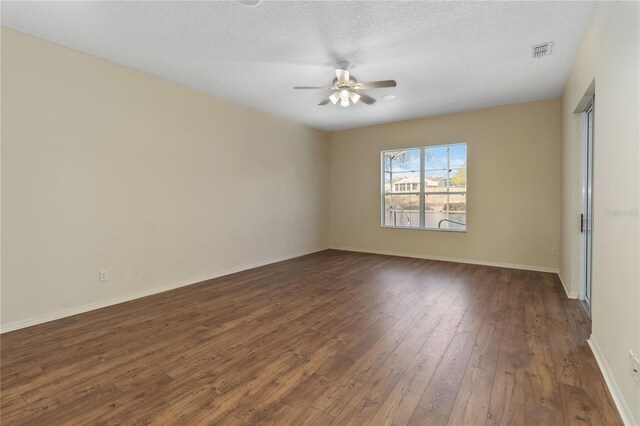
point(346, 88)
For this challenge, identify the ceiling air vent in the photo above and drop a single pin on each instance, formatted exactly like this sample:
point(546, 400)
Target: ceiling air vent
point(541, 50)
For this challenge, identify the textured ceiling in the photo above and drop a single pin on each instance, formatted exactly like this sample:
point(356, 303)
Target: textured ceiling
point(446, 56)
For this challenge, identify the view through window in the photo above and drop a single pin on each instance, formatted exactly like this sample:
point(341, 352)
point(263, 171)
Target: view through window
point(425, 188)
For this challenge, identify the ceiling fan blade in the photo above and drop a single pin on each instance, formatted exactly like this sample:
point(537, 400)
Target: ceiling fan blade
point(377, 84)
point(366, 99)
point(343, 75)
point(312, 87)
point(324, 102)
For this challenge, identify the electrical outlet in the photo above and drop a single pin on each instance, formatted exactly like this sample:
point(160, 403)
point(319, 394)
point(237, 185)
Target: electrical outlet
point(554, 251)
point(103, 275)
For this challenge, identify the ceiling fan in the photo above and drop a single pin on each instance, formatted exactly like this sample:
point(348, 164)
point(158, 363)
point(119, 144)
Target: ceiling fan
point(346, 88)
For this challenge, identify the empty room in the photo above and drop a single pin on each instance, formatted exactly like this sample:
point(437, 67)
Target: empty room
point(320, 213)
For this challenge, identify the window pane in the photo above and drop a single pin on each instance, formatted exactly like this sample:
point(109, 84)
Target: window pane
point(403, 182)
point(434, 209)
point(457, 220)
point(457, 203)
point(435, 181)
point(435, 158)
point(458, 156)
point(442, 211)
point(402, 210)
point(406, 160)
point(458, 180)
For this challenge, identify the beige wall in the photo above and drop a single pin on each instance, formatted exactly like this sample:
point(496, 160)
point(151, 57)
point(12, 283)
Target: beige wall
point(513, 191)
point(106, 168)
point(609, 55)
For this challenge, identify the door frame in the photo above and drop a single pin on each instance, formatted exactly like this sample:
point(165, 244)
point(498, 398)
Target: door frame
point(586, 206)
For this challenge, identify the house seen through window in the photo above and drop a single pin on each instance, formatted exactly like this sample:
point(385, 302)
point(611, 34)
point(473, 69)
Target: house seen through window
point(425, 188)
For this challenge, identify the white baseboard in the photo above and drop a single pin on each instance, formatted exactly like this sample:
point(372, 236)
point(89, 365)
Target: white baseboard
point(566, 289)
point(616, 394)
point(451, 259)
point(5, 328)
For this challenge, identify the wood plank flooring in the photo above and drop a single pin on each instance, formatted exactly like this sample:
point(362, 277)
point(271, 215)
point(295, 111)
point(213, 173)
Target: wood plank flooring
point(330, 338)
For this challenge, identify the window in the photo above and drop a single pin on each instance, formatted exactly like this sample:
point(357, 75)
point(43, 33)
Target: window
point(425, 188)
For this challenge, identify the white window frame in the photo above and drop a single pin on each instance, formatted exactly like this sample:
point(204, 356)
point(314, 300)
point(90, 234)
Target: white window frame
point(421, 190)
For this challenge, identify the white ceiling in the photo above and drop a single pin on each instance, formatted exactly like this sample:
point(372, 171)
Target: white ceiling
point(446, 56)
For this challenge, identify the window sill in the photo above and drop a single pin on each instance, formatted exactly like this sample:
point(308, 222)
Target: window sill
point(414, 228)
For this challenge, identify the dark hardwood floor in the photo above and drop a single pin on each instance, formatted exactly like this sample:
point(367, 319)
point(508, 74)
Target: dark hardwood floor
point(329, 338)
